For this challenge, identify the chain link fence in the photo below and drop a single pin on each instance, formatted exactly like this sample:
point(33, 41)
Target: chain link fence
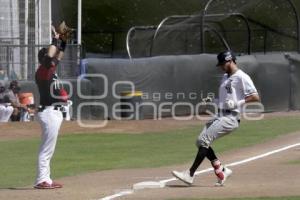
point(25, 27)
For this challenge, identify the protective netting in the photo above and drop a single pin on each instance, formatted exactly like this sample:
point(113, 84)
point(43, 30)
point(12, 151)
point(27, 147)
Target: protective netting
point(244, 26)
point(273, 23)
point(141, 46)
point(185, 30)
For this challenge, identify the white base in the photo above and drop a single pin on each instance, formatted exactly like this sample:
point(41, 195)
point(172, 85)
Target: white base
point(148, 184)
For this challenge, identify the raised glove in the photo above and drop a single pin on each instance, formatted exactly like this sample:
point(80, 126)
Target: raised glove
point(64, 31)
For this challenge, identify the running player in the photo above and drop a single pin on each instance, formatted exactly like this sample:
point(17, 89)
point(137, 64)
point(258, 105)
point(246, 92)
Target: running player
point(235, 90)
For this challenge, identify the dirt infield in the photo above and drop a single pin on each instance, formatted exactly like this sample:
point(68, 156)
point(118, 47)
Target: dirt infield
point(270, 176)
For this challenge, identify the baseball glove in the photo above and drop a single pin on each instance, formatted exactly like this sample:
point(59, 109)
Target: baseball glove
point(64, 31)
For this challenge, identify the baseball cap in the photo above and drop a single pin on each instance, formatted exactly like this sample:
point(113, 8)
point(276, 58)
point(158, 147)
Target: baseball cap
point(225, 56)
point(14, 85)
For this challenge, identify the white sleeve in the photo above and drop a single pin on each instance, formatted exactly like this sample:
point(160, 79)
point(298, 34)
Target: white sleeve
point(249, 87)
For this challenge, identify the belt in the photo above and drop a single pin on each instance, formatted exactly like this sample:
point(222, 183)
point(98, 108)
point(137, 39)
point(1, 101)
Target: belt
point(224, 111)
point(229, 112)
point(41, 108)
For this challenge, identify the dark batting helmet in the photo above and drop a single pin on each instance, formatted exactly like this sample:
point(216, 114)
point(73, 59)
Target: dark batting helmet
point(226, 56)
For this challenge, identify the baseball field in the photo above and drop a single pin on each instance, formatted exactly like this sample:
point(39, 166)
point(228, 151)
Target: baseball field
point(106, 163)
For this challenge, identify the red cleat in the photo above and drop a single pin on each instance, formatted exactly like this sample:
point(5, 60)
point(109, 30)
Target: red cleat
point(44, 185)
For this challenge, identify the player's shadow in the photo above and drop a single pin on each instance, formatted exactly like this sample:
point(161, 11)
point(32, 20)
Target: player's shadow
point(186, 186)
point(18, 188)
point(179, 186)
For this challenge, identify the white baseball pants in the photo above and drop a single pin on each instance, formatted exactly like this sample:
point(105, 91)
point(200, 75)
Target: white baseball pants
point(50, 121)
point(216, 128)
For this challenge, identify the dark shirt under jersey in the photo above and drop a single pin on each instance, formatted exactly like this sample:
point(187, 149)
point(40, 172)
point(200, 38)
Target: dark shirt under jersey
point(44, 77)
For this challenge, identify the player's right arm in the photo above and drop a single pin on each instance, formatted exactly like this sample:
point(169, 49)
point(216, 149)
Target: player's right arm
point(250, 92)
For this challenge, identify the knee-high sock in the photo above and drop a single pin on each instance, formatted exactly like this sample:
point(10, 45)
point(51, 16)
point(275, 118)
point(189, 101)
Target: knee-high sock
point(202, 152)
point(218, 167)
point(211, 155)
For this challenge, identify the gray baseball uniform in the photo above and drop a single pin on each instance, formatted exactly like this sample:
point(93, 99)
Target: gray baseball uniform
point(236, 88)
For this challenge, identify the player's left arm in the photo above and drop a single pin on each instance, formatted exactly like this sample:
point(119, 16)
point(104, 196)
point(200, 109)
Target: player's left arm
point(252, 98)
point(250, 91)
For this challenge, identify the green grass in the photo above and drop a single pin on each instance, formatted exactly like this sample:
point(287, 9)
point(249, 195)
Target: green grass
point(253, 198)
point(76, 154)
point(294, 162)
point(252, 132)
